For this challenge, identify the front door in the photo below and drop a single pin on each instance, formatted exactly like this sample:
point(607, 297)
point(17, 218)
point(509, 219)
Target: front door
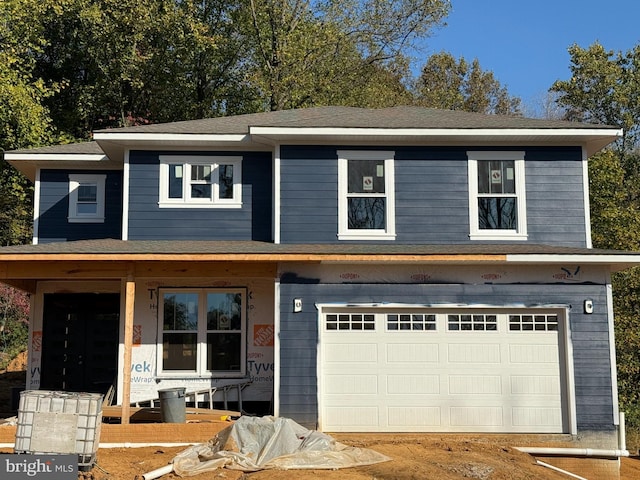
point(80, 341)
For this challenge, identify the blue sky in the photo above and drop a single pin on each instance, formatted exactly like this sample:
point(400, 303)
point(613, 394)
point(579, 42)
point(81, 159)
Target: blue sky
point(525, 42)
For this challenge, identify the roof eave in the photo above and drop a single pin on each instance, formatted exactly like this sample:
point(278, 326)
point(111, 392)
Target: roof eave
point(619, 261)
point(593, 139)
point(29, 163)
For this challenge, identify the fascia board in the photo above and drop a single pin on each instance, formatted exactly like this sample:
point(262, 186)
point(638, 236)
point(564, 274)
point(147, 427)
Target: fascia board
point(82, 157)
point(617, 262)
point(169, 137)
point(438, 132)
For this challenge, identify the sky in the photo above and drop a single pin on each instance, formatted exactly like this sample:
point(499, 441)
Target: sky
point(524, 42)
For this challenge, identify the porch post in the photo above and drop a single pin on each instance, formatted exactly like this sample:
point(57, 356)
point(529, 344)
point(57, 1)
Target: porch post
point(130, 290)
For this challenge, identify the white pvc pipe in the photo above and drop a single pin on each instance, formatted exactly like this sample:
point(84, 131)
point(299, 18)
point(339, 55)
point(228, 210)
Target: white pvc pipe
point(552, 467)
point(158, 472)
point(574, 452)
point(141, 445)
point(127, 445)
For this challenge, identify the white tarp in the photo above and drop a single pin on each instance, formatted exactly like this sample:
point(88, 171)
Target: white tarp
point(260, 443)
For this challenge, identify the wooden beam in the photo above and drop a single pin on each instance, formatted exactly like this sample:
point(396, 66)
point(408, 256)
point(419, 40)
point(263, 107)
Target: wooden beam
point(117, 270)
point(253, 257)
point(130, 294)
point(28, 286)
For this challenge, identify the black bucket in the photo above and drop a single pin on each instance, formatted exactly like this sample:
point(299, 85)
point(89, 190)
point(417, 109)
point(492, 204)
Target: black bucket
point(173, 407)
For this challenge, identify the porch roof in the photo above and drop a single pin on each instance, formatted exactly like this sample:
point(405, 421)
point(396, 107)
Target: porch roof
point(254, 251)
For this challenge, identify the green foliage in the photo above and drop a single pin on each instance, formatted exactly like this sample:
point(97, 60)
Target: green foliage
point(604, 88)
point(14, 321)
point(453, 84)
point(615, 209)
point(330, 53)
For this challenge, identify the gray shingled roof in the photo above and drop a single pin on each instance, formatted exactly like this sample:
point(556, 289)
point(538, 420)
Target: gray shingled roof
point(91, 148)
point(329, 117)
point(351, 117)
point(190, 247)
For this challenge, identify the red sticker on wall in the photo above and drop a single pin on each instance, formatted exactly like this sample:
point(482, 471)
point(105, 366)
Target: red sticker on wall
point(263, 335)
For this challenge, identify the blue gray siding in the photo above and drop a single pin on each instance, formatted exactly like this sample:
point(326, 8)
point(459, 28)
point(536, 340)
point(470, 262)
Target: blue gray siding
point(251, 222)
point(432, 195)
point(589, 333)
point(53, 225)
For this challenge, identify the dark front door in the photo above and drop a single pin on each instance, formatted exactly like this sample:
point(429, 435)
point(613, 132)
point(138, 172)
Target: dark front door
point(80, 341)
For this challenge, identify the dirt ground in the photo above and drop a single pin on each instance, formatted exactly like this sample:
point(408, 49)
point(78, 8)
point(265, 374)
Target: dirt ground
point(419, 457)
point(413, 456)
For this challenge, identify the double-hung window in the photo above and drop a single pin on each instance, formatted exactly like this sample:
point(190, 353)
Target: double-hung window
point(366, 199)
point(497, 204)
point(203, 331)
point(86, 198)
point(198, 181)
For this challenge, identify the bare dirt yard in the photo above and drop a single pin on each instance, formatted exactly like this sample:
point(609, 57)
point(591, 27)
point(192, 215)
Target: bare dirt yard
point(419, 457)
point(413, 456)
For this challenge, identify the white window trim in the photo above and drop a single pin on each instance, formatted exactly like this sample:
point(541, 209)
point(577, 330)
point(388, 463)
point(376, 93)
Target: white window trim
point(201, 340)
point(186, 201)
point(520, 233)
point(75, 180)
point(344, 233)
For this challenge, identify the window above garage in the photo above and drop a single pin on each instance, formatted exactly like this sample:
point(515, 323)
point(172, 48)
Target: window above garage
point(200, 182)
point(497, 203)
point(366, 197)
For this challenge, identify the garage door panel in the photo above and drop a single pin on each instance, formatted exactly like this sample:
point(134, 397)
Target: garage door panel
point(351, 384)
point(549, 417)
point(413, 384)
point(535, 385)
point(341, 353)
point(534, 353)
point(407, 417)
point(353, 418)
point(472, 417)
point(437, 380)
point(468, 353)
point(475, 384)
point(412, 353)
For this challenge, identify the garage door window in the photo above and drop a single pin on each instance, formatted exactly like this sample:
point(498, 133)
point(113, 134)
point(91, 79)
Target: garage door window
point(472, 322)
point(350, 321)
point(538, 323)
point(411, 322)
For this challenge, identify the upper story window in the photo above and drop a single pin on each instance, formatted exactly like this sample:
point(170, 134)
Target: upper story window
point(203, 331)
point(196, 181)
point(366, 200)
point(86, 198)
point(497, 204)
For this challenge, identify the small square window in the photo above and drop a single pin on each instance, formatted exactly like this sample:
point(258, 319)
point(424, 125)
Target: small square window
point(86, 198)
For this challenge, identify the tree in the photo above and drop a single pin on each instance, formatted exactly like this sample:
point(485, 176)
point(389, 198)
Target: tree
point(303, 53)
point(604, 88)
point(24, 121)
point(14, 323)
point(453, 84)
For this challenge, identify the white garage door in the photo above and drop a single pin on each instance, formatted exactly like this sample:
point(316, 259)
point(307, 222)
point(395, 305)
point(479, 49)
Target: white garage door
point(440, 371)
